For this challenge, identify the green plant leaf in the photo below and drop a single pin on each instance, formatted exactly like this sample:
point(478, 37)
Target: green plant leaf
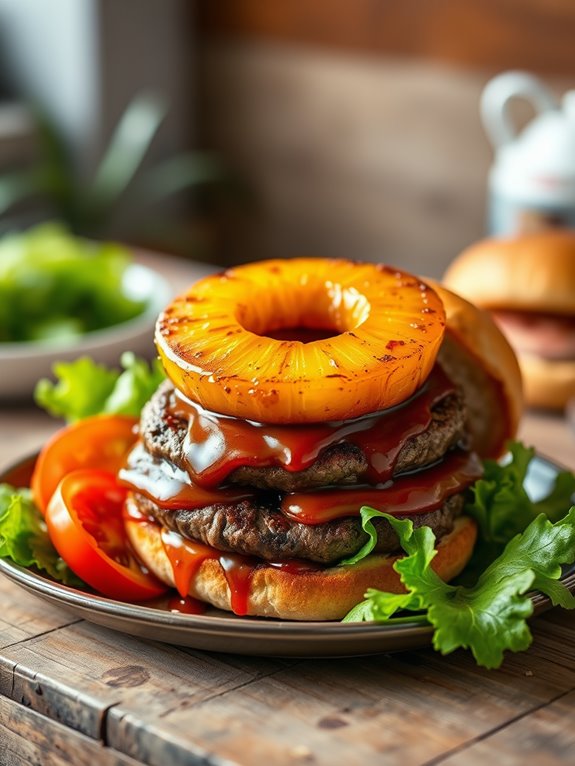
point(502, 508)
point(134, 387)
point(15, 187)
point(82, 389)
point(180, 173)
point(56, 178)
point(367, 514)
point(127, 148)
point(500, 503)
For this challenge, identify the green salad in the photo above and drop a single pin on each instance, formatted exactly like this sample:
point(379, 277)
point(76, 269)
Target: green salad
point(54, 285)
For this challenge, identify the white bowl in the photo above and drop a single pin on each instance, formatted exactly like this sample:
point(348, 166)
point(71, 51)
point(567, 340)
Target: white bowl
point(23, 364)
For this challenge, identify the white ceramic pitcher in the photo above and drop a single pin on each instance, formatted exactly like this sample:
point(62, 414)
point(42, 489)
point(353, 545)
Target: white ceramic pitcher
point(532, 180)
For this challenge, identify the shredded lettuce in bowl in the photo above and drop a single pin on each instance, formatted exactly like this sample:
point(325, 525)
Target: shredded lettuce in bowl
point(55, 286)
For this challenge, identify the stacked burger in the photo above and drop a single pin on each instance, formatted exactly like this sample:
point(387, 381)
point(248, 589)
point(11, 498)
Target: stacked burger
point(298, 392)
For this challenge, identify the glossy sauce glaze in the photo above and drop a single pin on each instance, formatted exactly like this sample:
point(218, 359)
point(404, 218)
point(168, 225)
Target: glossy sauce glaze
point(187, 556)
point(215, 445)
point(170, 487)
point(418, 492)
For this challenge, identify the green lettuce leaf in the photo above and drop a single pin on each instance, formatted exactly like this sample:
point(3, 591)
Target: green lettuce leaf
point(560, 497)
point(502, 508)
point(367, 514)
point(85, 388)
point(500, 503)
point(380, 607)
point(489, 617)
point(24, 537)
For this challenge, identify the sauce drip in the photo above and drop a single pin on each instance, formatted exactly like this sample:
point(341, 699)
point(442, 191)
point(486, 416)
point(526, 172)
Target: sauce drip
point(215, 445)
point(238, 571)
point(418, 492)
point(186, 557)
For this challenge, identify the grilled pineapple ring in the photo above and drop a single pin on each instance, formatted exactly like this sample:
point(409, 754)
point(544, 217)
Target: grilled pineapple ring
point(383, 327)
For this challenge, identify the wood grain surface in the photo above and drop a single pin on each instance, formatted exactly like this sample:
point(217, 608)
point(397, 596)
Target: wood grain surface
point(27, 737)
point(72, 692)
point(162, 705)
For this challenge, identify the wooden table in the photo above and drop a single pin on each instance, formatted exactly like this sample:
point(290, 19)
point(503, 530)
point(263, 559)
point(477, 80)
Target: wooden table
point(74, 693)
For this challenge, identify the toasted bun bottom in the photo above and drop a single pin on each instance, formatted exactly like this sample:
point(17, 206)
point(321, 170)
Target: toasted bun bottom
point(548, 383)
point(326, 594)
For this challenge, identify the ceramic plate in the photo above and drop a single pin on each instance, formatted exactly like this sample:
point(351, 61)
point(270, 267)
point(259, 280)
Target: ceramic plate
point(224, 632)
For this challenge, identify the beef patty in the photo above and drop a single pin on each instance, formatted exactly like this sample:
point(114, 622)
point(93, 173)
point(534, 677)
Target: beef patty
point(343, 463)
point(256, 526)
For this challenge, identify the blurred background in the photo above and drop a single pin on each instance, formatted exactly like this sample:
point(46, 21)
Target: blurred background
point(243, 129)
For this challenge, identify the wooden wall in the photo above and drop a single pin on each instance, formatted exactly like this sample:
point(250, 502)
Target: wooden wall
point(356, 123)
point(537, 34)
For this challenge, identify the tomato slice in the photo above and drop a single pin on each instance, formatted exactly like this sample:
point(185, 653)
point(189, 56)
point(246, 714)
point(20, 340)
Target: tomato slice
point(86, 526)
point(101, 441)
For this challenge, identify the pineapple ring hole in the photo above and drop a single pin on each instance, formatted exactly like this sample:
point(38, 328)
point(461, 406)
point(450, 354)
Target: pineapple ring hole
point(308, 315)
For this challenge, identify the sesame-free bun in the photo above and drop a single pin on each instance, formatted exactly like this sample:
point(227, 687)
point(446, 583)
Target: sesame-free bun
point(530, 275)
point(325, 594)
point(531, 272)
point(549, 383)
point(477, 356)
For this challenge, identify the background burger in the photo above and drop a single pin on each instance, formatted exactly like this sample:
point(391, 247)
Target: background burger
point(528, 285)
point(298, 392)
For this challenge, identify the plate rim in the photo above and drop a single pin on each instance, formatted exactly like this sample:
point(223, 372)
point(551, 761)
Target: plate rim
point(207, 624)
point(37, 583)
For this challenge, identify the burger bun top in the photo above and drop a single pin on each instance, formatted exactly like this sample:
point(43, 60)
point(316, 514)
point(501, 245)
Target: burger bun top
point(530, 272)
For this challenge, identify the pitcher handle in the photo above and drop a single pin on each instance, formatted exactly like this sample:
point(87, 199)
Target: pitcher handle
point(497, 95)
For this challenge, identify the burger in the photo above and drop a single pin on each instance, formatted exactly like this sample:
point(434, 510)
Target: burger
point(298, 392)
point(528, 284)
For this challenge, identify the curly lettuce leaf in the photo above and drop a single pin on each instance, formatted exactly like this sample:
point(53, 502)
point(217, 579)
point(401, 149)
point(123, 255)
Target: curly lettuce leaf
point(366, 514)
point(381, 607)
point(500, 503)
point(502, 507)
point(85, 388)
point(489, 617)
point(24, 537)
